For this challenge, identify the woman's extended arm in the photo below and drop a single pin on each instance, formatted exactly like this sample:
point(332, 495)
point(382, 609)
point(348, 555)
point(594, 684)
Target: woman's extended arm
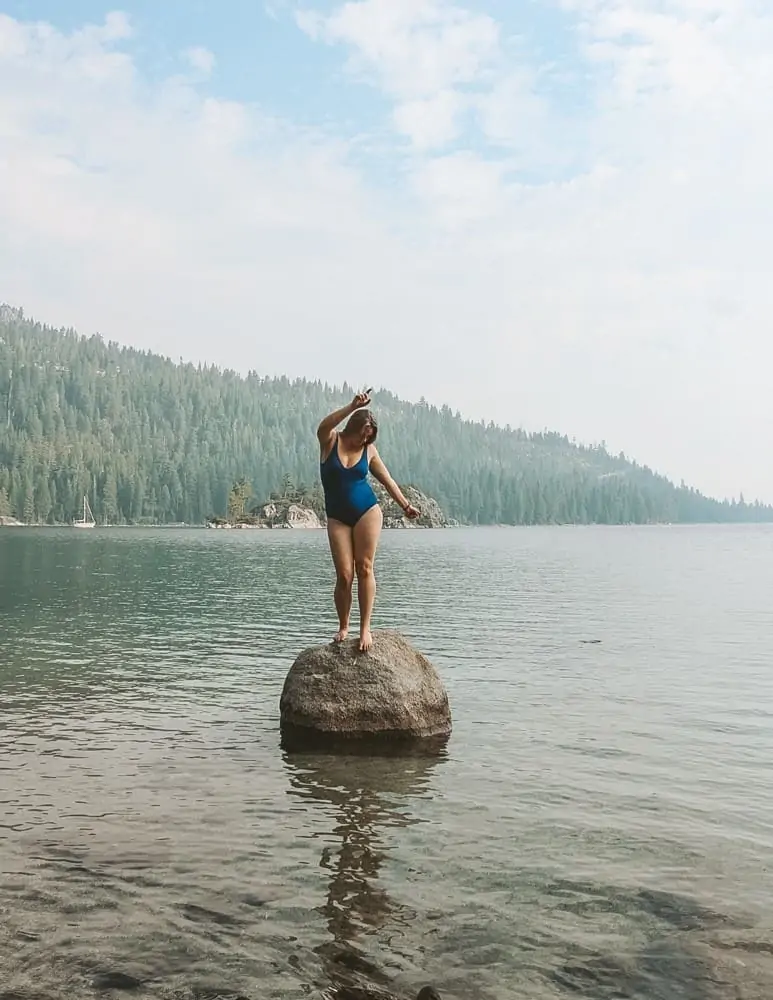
point(329, 423)
point(381, 473)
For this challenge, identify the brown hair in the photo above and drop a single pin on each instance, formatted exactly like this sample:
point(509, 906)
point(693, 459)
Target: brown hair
point(358, 420)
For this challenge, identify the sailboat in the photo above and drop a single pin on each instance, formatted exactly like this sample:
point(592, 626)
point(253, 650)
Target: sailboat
point(87, 521)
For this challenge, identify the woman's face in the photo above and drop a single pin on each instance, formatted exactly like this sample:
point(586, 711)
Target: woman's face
point(365, 433)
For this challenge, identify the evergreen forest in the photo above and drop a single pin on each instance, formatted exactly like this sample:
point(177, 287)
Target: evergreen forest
point(151, 441)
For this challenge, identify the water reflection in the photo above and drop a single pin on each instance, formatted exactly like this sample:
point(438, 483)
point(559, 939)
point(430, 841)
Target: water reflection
point(365, 796)
point(596, 793)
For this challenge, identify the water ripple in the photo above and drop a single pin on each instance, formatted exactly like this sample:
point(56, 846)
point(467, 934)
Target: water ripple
point(601, 824)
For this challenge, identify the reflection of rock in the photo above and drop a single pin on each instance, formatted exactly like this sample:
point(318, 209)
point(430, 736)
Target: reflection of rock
point(368, 794)
point(392, 692)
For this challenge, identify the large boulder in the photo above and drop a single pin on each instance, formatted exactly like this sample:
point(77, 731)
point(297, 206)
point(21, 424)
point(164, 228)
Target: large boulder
point(301, 517)
point(431, 516)
point(391, 694)
point(284, 514)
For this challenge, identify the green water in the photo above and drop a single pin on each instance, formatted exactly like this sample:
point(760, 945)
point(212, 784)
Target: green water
point(601, 824)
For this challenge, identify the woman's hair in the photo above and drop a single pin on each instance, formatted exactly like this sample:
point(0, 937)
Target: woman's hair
point(358, 420)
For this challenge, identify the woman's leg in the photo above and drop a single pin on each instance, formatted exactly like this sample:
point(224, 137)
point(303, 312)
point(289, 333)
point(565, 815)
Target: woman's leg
point(366, 535)
point(342, 549)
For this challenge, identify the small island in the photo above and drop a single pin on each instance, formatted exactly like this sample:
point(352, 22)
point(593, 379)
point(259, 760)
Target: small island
point(302, 507)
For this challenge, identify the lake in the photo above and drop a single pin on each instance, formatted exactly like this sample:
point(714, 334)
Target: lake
point(600, 824)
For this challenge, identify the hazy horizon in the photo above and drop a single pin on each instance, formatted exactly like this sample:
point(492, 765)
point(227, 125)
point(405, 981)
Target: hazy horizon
point(338, 386)
point(554, 218)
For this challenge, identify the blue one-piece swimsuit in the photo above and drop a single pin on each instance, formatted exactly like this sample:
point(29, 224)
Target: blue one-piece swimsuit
point(348, 494)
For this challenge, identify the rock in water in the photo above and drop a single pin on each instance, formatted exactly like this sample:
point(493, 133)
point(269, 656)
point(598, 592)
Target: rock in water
point(390, 694)
point(115, 981)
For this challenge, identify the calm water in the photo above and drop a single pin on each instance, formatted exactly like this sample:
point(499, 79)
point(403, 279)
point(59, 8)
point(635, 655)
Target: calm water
point(601, 825)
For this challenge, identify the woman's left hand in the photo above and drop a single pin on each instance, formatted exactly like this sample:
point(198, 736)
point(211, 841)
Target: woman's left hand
point(411, 511)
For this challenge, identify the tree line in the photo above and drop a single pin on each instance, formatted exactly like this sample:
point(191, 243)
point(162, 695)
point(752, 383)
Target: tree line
point(150, 441)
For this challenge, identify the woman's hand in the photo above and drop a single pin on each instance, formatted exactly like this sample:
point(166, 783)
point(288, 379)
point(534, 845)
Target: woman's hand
point(411, 511)
point(360, 400)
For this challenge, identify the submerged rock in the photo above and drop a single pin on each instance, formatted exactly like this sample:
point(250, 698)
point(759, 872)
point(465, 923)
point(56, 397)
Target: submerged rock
point(391, 693)
point(365, 993)
point(115, 981)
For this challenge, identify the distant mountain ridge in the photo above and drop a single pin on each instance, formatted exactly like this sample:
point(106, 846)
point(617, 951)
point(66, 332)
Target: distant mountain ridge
point(152, 441)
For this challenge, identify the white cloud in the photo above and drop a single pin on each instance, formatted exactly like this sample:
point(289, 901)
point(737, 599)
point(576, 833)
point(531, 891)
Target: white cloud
point(414, 47)
point(411, 47)
point(460, 188)
point(430, 122)
point(200, 59)
point(424, 53)
point(606, 274)
point(116, 27)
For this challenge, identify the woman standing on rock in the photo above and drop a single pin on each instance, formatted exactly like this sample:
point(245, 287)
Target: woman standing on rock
point(354, 516)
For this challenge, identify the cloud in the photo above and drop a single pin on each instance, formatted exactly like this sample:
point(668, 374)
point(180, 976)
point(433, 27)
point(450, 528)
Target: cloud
point(460, 188)
point(424, 53)
point(430, 122)
point(579, 242)
point(693, 52)
point(412, 47)
point(200, 59)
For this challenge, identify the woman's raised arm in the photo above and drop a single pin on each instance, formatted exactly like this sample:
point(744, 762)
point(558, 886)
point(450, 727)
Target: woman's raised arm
point(329, 423)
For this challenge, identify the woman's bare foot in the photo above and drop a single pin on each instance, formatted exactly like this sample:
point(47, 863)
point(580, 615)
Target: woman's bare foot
point(366, 640)
point(341, 634)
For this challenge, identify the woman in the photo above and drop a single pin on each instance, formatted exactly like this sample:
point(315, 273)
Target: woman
point(354, 517)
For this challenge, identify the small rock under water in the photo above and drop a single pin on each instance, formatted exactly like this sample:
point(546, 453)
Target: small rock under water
point(115, 981)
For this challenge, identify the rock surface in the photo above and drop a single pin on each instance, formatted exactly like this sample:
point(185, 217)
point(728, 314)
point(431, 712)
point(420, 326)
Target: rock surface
point(364, 993)
point(115, 981)
point(432, 515)
point(278, 514)
point(304, 511)
point(391, 692)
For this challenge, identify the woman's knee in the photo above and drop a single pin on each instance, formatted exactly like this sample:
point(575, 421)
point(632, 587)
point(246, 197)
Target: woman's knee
point(364, 567)
point(344, 578)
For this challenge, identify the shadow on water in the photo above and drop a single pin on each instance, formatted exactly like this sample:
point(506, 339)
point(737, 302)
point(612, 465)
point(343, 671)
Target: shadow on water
point(366, 795)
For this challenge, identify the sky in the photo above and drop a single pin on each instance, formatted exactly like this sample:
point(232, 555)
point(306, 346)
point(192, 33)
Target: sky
point(545, 214)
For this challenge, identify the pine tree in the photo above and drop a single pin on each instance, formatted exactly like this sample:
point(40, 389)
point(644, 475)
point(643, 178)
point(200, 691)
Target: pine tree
point(150, 441)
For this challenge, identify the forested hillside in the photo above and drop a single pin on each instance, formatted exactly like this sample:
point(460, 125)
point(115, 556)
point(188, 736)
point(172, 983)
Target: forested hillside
point(151, 441)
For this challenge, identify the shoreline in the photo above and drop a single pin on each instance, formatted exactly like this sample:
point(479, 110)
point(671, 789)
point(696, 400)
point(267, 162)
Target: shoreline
point(412, 527)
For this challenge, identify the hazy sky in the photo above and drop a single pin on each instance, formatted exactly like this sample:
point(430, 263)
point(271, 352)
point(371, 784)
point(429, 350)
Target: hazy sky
point(549, 214)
